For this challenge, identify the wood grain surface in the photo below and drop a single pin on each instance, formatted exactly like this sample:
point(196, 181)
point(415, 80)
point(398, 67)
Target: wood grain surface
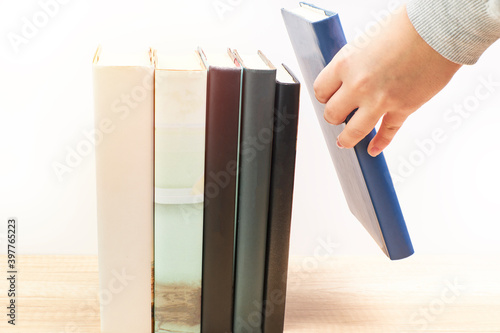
point(59, 294)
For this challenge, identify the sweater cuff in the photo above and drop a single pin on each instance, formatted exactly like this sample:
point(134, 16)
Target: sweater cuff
point(459, 30)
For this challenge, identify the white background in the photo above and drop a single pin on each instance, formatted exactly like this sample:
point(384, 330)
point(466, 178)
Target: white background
point(448, 191)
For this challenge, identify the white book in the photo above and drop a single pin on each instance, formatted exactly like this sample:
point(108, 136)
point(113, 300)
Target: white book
point(124, 116)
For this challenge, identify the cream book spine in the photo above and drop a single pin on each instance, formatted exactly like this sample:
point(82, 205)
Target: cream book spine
point(124, 116)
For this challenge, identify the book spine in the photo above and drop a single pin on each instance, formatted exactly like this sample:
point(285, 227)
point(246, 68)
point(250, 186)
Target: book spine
point(257, 117)
point(286, 114)
point(221, 161)
point(123, 98)
point(180, 102)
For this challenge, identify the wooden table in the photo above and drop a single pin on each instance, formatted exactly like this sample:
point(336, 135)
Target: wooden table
point(58, 294)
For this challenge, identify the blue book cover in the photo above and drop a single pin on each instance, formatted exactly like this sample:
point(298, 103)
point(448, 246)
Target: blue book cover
point(316, 36)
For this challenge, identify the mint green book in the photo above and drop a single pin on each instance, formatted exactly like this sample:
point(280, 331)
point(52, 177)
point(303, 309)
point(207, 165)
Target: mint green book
point(180, 102)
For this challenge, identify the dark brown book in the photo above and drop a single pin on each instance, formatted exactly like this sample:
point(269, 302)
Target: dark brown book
point(221, 171)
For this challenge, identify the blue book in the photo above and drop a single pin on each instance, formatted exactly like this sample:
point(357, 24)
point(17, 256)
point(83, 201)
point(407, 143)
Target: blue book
point(316, 36)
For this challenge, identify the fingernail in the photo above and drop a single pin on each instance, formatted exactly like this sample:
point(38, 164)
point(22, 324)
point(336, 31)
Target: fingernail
point(374, 151)
point(339, 144)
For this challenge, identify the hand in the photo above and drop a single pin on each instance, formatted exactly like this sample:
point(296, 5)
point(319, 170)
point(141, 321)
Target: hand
point(394, 74)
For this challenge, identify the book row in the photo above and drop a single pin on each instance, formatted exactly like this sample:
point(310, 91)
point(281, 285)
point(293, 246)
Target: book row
point(194, 180)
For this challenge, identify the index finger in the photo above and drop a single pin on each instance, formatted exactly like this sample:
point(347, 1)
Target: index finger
point(328, 81)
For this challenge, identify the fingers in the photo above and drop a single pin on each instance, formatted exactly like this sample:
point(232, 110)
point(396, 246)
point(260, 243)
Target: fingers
point(391, 123)
point(361, 123)
point(339, 106)
point(342, 98)
point(328, 81)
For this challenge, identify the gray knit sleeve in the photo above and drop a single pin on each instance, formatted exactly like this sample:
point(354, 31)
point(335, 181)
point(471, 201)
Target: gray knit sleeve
point(460, 30)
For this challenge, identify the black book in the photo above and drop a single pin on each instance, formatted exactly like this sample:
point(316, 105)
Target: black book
point(286, 115)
